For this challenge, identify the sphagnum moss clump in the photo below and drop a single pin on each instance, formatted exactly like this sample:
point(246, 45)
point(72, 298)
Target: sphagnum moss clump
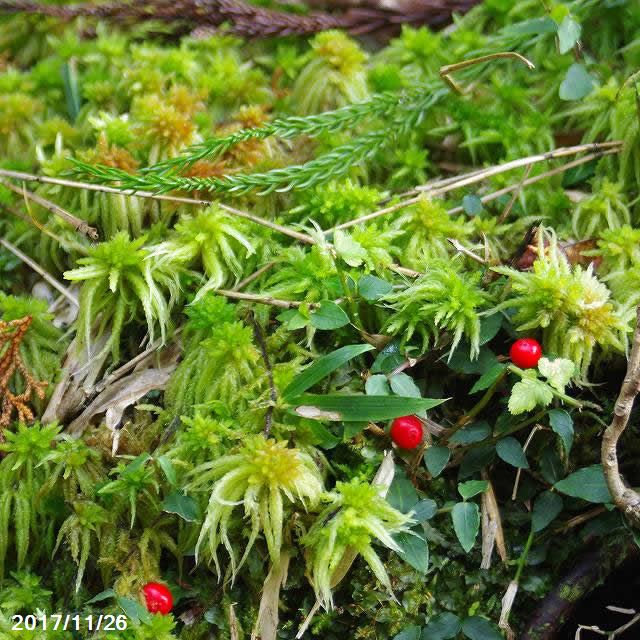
point(295, 244)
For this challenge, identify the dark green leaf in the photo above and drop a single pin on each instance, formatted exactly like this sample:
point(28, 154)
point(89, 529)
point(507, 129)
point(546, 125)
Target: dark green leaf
point(436, 459)
point(372, 288)
point(477, 628)
point(577, 84)
point(322, 437)
point(409, 633)
point(184, 506)
point(475, 460)
point(388, 359)
point(472, 488)
point(510, 450)
point(489, 327)
point(587, 483)
point(466, 523)
point(102, 596)
point(580, 174)
point(402, 494)
point(461, 361)
point(322, 367)
point(533, 27)
point(444, 626)
point(134, 610)
point(551, 465)
point(488, 377)
point(562, 423)
point(359, 408)
point(545, 510)
point(71, 89)
point(471, 433)
point(472, 204)
point(413, 550)
point(329, 316)
point(403, 385)
point(424, 510)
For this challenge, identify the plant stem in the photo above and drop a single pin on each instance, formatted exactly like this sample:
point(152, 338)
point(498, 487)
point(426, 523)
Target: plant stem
point(522, 560)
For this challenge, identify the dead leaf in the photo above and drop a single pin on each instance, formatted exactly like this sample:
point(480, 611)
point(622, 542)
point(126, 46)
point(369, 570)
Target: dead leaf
point(267, 623)
point(314, 413)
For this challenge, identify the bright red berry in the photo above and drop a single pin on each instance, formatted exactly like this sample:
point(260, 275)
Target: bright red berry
point(158, 598)
point(525, 353)
point(407, 432)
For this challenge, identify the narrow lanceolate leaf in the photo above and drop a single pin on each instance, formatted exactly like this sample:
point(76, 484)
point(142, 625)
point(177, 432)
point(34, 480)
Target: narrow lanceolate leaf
point(466, 523)
point(510, 450)
point(357, 408)
point(322, 367)
point(588, 483)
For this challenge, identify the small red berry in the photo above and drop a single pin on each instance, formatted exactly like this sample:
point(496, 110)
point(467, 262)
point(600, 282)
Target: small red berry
point(158, 598)
point(407, 432)
point(525, 353)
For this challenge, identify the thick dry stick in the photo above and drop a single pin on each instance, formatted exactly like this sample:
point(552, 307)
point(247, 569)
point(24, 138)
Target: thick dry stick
point(51, 207)
point(73, 184)
point(626, 499)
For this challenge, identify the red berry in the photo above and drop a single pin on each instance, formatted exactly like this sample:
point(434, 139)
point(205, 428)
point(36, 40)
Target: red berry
point(407, 432)
point(158, 598)
point(525, 353)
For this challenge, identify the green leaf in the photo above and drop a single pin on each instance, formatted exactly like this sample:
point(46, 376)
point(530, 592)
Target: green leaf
point(322, 437)
point(577, 84)
point(529, 393)
point(477, 628)
point(184, 506)
point(168, 470)
point(510, 450)
point(329, 316)
point(424, 510)
point(359, 408)
point(545, 510)
point(134, 610)
point(409, 633)
point(562, 423)
point(322, 367)
point(351, 251)
point(472, 204)
point(475, 460)
point(402, 494)
point(489, 327)
point(568, 33)
point(551, 465)
point(403, 385)
point(436, 459)
point(414, 550)
point(587, 483)
point(558, 372)
point(372, 288)
point(534, 27)
point(377, 385)
point(461, 362)
point(475, 432)
point(444, 626)
point(488, 378)
point(472, 488)
point(292, 319)
point(388, 359)
point(102, 596)
point(72, 91)
point(466, 523)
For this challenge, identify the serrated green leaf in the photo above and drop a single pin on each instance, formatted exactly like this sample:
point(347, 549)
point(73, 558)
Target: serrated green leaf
point(472, 488)
point(351, 251)
point(562, 423)
point(568, 34)
point(359, 408)
point(403, 385)
point(587, 483)
point(436, 459)
point(558, 372)
point(545, 510)
point(444, 626)
point(329, 316)
point(527, 394)
point(414, 550)
point(488, 378)
point(466, 523)
point(372, 288)
point(377, 385)
point(322, 367)
point(577, 84)
point(510, 450)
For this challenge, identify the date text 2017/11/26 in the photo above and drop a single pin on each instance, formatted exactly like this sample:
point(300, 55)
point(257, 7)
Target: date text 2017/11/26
point(69, 622)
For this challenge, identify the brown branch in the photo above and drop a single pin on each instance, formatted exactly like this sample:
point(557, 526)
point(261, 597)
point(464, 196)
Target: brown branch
point(626, 499)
